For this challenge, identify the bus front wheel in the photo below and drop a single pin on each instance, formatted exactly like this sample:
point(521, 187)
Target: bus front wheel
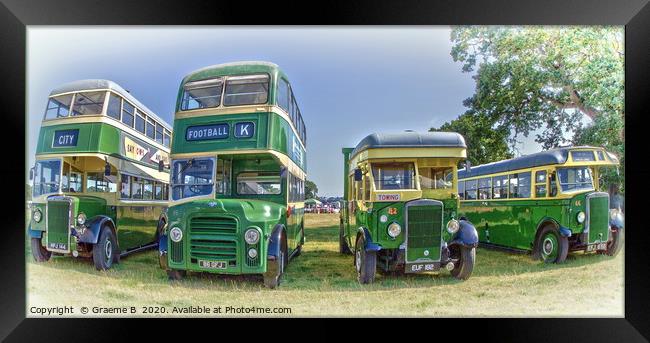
point(105, 250)
point(39, 252)
point(175, 274)
point(466, 258)
point(274, 272)
point(365, 262)
point(614, 245)
point(551, 246)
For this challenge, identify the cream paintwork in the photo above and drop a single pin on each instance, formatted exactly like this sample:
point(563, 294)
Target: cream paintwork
point(550, 169)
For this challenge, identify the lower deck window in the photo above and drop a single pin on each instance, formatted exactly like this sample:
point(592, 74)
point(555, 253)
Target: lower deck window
point(258, 183)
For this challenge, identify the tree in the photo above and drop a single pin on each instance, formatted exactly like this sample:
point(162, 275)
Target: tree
point(311, 190)
point(484, 143)
point(547, 79)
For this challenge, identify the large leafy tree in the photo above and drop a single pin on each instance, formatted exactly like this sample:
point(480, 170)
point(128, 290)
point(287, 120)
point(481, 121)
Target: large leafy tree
point(484, 144)
point(311, 190)
point(549, 80)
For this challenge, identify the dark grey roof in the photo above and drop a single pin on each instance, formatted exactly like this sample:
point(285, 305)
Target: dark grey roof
point(555, 156)
point(90, 84)
point(410, 139)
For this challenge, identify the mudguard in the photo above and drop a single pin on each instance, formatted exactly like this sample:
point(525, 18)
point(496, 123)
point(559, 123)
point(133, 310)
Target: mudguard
point(564, 232)
point(34, 233)
point(466, 235)
point(273, 250)
point(94, 226)
point(162, 251)
point(616, 220)
point(370, 245)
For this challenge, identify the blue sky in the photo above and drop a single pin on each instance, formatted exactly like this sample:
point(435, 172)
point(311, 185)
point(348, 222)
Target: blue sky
point(349, 81)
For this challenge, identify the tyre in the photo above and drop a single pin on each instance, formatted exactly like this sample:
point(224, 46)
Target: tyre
point(552, 247)
point(365, 262)
point(614, 245)
point(105, 251)
point(463, 269)
point(343, 244)
point(39, 252)
point(175, 274)
point(272, 278)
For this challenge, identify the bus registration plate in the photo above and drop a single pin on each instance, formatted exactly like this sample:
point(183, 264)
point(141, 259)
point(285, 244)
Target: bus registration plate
point(599, 246)
point(213, 264)
point(419, 267)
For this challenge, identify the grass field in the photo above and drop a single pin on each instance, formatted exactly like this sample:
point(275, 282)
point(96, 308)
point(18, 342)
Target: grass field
point(321, 282)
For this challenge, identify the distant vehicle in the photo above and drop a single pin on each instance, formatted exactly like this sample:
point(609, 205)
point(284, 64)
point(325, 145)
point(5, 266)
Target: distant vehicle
point(545, 202)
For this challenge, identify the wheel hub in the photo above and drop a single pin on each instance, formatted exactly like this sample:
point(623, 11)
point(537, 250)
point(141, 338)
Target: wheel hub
point(548, 246)
point(108, 250)
point(358, 260)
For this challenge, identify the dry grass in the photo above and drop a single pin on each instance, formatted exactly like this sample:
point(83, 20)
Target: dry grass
point(321, 282)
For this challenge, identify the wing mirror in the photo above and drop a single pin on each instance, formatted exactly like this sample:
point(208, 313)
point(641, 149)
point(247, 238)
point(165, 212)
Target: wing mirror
point(161, 165)
point(31, 173)
point(358, 175)
point(283, 172)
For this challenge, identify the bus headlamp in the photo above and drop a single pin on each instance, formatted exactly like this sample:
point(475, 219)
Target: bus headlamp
point(176, 234)
point(37, 215)
point(581, 217)
point(81, 218)
point(453, 226)
point(252, 253)
point(394, 229)
point(252, 236)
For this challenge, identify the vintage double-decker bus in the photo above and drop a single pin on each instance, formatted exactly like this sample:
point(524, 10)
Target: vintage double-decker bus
point(237, 176)
point(401, 207)
point(545, 202)
point(99, 182)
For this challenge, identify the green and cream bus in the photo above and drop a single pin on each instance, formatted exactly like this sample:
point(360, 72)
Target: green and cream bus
point(237, 175)
point(100, 183)
point(545, 202)
point(400, 208)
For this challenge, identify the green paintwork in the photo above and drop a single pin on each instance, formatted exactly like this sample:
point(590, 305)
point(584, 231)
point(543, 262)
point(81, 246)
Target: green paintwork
point(370, 219)
point(514, 223)
point(213, 229)
point(272, 132)
point(136, 225)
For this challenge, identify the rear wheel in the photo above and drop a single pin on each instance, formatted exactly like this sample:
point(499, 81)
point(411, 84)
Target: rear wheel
point(463, 269)
point(551, 246)
point(39, 252)
point(365, 262)
point(614, 245)
point(105, 250)
point(343, 244)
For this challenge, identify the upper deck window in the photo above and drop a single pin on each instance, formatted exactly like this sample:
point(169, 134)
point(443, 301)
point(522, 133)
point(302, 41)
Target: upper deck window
point(58, 106)
point(88, 103)
point(398, 175)
point(159, 133)
point(246, 90)
point(202, 94)
point(166, 138)
point(127, 113)
point(114, 106)
point(139, 122)
point(151, 127)
point(283, 95)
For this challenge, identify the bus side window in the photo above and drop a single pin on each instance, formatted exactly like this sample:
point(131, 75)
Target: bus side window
point(540, 184)
point(553, 186)
point(366, 187)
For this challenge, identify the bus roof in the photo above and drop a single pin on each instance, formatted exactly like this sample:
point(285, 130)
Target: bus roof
point(241, 67)
point(410, 139)
point(90, 84)
point(542, 158)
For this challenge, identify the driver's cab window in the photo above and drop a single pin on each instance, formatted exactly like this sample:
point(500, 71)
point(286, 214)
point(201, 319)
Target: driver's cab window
point(224, 170)
point(72, 180)
point(552, 185)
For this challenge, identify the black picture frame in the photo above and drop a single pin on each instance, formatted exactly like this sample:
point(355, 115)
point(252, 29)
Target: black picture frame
point(15, 15)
